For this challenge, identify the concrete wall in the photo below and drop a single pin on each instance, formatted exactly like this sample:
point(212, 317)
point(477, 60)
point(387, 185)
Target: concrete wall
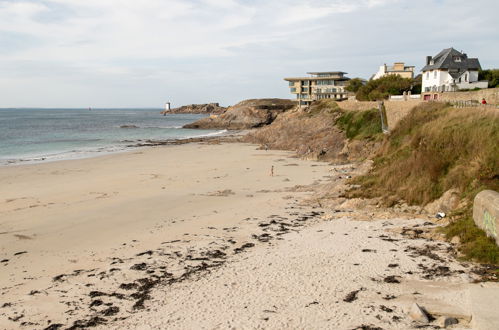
point(486, 213)
point(395, 110)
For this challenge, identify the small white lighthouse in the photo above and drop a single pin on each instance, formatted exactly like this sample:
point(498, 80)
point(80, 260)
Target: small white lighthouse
point(167, 106)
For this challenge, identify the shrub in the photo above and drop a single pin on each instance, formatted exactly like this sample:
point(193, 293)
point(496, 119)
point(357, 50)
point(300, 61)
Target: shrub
point(382, 88)
point(492, 76)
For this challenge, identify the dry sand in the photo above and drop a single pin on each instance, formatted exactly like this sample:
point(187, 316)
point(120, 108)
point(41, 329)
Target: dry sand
point(201, 236)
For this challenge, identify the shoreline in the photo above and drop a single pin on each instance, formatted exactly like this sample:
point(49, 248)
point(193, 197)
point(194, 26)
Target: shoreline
point(110, 150)
point(153, 236)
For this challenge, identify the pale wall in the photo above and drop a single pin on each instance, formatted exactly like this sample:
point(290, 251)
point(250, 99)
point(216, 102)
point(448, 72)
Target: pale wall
point(491, 95)
point(395, 110)
point(486, 213)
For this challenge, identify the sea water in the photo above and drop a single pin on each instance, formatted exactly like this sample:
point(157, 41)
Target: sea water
point(34, 135)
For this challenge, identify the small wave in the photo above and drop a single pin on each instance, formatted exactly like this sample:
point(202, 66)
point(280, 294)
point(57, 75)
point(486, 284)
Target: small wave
point(63, 155)
point(210, 134)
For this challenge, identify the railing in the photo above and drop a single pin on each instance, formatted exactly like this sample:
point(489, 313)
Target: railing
point(471, 103)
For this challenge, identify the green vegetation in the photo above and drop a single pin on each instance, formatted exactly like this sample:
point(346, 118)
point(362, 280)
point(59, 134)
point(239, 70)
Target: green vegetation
point(360, 124)
point(434, 149)
point(354, 85)
point(475, 244)
point(382, 88)
point(492, 76)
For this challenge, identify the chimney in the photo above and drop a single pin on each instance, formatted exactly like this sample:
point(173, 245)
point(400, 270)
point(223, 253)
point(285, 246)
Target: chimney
point(428, 59)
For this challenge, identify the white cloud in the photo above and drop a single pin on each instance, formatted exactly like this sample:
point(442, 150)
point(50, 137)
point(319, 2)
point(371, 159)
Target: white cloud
point(94, 42)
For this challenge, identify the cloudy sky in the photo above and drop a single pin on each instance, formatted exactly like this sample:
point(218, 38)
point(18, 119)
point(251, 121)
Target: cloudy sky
point(130, 53)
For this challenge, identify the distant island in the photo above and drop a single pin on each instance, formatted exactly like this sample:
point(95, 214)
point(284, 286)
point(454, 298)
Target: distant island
point(208, 108)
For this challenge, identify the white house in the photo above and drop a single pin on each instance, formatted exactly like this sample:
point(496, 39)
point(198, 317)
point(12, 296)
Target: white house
point(398, 68)
point(451, 70)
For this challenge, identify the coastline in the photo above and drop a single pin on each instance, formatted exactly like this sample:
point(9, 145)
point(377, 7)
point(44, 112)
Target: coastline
point(153, 236)
point(115, 149)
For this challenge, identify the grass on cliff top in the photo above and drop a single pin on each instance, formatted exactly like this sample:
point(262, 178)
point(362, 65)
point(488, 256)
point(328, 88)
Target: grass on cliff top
point(360, 124)
point(434, 149)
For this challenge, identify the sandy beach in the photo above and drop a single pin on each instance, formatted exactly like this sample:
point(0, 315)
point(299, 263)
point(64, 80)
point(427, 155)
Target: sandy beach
point(202, 236)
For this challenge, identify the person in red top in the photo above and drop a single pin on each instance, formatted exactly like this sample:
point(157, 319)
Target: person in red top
point(483, 101)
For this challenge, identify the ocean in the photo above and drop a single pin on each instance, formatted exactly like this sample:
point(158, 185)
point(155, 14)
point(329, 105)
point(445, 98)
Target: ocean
point(36, 135)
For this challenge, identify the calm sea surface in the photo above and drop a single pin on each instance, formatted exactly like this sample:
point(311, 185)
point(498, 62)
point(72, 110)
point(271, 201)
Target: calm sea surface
point(33, 135)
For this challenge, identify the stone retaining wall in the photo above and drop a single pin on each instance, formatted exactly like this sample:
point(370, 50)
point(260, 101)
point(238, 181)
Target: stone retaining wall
point(486, 213)
point(395, 110)
point(491, 95)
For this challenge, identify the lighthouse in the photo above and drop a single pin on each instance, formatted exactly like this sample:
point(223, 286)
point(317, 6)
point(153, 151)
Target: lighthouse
point(167, 109)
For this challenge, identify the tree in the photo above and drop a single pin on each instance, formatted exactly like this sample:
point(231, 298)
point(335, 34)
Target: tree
point(354, 84)
point(383, 87)
point(491, 75)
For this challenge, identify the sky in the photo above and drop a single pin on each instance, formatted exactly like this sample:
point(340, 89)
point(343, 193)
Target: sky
point(130, 53)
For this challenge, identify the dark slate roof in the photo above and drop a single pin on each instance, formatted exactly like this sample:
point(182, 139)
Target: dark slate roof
point(445, 60)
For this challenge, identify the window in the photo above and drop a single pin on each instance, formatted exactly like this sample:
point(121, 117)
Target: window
point(304, 83)
point(466, 77)
point(427, 75)
point(456, 58)
point(291, 83)
point(435, 74)
point(293, 90)
point(304, 89)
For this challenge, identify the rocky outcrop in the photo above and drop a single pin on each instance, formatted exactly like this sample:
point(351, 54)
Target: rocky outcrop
point(245, 115)
point(209, 108)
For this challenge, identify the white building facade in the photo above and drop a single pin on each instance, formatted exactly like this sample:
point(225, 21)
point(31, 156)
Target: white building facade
point(398, 68)
point(450, 71)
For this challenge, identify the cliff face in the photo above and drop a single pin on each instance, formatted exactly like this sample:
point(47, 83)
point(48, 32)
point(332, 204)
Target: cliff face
point(313, 133)
point(210, 108)
point(246, 114)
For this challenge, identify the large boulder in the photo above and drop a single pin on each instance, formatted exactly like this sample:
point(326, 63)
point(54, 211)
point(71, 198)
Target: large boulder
point(245, 115)
point(209, 108)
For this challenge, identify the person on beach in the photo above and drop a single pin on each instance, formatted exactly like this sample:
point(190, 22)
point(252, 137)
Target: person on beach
point(483, 101)
point(272, 170)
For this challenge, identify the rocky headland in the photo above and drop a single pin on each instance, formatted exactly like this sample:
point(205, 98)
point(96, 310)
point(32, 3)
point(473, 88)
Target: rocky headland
point(245, 115)
point(208, 108)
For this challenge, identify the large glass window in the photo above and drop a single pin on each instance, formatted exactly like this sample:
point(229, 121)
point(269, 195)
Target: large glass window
point(293, 90)
point(304, 89)
point(291, 83)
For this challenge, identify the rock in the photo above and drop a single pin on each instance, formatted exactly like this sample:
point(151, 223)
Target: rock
point(455, 240)
point(245, 115)
point(448, 202)
point(129, 126)
point(209, 108)
point(445, 321)
point(417, 313)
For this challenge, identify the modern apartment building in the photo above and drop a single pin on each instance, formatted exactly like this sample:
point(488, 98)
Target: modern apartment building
point(319, 85)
